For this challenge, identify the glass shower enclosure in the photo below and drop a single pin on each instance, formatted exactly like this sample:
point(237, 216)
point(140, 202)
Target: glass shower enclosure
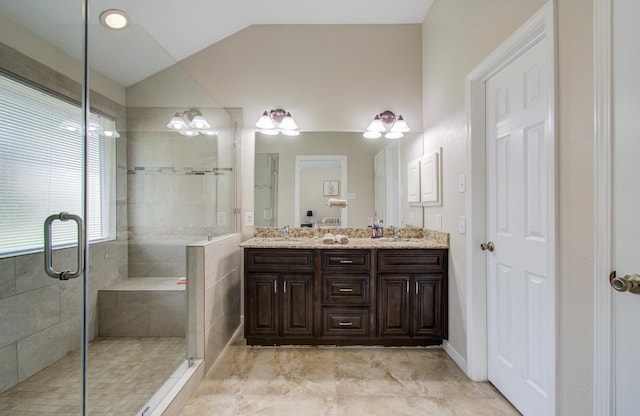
point(99, 196)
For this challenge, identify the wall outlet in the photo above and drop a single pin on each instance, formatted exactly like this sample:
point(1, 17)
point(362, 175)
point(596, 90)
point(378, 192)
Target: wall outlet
point(462, 224)
point(462, 183)
point(221, 218)
point(248, 219)
point(439, 222)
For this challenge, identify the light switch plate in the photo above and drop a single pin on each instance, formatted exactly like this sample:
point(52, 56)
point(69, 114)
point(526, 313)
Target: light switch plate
point(462, 226)
point(248, 219)
point(462, 183)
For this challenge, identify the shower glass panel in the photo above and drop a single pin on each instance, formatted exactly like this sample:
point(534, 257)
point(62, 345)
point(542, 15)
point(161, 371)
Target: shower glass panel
point(149, 189)
point(42, 166)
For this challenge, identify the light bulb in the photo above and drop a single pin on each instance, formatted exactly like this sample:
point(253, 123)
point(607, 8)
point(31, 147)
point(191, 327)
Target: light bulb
point(393, 135)
point(372, 134)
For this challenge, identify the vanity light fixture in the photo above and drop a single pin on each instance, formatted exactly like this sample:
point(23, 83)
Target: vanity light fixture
point(277, 121)
point(190, 123)
point(386, 122)
point(114, 19)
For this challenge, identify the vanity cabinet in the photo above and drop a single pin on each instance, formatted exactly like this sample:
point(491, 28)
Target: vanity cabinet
point(279, 295)
point(350, 296)
point(412, 294)
point(346, 294)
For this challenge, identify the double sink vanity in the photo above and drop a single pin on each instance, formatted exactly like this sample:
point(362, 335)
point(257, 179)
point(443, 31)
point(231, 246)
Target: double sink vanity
point(381, 291)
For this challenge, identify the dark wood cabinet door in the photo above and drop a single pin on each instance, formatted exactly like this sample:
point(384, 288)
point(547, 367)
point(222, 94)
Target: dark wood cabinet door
point(427, 306)
point(393, 309)
point(297, 305)
point(262, 305)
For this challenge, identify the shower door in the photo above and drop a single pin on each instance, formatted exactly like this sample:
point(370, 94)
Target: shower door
point(44, 175)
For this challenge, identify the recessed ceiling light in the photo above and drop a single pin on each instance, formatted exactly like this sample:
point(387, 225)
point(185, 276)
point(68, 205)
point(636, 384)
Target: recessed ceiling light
point(114, 19)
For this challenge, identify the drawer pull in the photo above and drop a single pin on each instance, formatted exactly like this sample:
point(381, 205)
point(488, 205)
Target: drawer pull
point(346, 324)
point(346, 261)
point(346, 289)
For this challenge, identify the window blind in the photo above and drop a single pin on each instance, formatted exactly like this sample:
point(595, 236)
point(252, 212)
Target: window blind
point(41, 162)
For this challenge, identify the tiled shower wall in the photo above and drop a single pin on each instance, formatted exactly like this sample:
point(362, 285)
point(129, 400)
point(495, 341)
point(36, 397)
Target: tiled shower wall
point(42, 317)
point(180, 190)
point(214, 272)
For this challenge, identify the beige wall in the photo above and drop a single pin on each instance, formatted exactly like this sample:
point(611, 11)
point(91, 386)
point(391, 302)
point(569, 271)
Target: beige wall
point(576, 189)
point(331, 77)
point(457, 35)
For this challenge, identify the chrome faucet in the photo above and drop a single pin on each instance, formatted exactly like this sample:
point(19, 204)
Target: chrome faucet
point(285, 232)
point(396, 232)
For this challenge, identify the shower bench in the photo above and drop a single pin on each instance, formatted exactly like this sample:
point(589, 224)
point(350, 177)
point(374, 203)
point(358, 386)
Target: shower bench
point(143, 307)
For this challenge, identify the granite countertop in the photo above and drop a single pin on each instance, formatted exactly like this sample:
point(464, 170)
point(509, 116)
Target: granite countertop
point(354, 243)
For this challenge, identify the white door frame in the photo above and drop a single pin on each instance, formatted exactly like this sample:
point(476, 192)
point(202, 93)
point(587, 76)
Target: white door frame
point(603, 295)
point(540, 27)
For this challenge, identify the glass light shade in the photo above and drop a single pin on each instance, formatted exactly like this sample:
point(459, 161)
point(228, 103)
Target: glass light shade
point(376, 125)
point(199, 122)
point(177, 123)
point(290, 132)
point(269, 132)
point(189, 133)
point(372, 134)
point(111, 133)
point(393, 135)
point(209, 132)
point(265, 122)
point(400, 126)
point(288, 123)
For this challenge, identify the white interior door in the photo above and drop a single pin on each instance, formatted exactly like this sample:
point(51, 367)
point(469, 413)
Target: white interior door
point(626, 200)
point(520, 278)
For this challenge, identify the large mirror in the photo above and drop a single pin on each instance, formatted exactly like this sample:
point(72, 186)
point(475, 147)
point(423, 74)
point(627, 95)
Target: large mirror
point(295, 175)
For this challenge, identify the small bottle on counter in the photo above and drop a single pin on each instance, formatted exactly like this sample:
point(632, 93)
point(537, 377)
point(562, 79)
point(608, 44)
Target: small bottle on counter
point(316, 230)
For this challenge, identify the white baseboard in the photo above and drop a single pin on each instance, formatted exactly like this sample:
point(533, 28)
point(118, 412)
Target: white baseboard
point(455, 356)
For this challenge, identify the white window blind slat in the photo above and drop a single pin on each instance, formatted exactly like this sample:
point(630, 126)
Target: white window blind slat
point(41, 169)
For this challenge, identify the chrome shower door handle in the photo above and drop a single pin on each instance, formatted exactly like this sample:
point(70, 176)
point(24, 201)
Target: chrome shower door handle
point(48, 249)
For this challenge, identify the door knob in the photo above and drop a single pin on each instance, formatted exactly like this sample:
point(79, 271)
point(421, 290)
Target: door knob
point(488, 246)
point(628, 283)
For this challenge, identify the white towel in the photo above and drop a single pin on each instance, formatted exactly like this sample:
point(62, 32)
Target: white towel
point(337, 203)
point(329, 238)
point(342, 239)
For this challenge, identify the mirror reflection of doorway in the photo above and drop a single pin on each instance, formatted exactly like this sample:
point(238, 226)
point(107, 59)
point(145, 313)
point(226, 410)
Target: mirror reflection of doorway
point(266, 189)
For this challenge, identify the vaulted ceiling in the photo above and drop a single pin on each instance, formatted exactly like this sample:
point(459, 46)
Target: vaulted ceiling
point(164, 32)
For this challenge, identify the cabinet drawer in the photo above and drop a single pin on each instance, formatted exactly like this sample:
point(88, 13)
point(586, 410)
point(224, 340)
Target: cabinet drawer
point(343, 322)
point(345, 289)
point(279, 260)
point(346, 260)
point(411, 261)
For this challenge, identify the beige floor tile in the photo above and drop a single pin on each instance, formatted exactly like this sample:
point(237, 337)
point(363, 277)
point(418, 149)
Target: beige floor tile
point(344, 381)
point(267, 405)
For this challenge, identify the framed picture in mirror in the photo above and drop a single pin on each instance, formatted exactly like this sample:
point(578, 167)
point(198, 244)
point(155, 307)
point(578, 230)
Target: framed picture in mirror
point(331, 188)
